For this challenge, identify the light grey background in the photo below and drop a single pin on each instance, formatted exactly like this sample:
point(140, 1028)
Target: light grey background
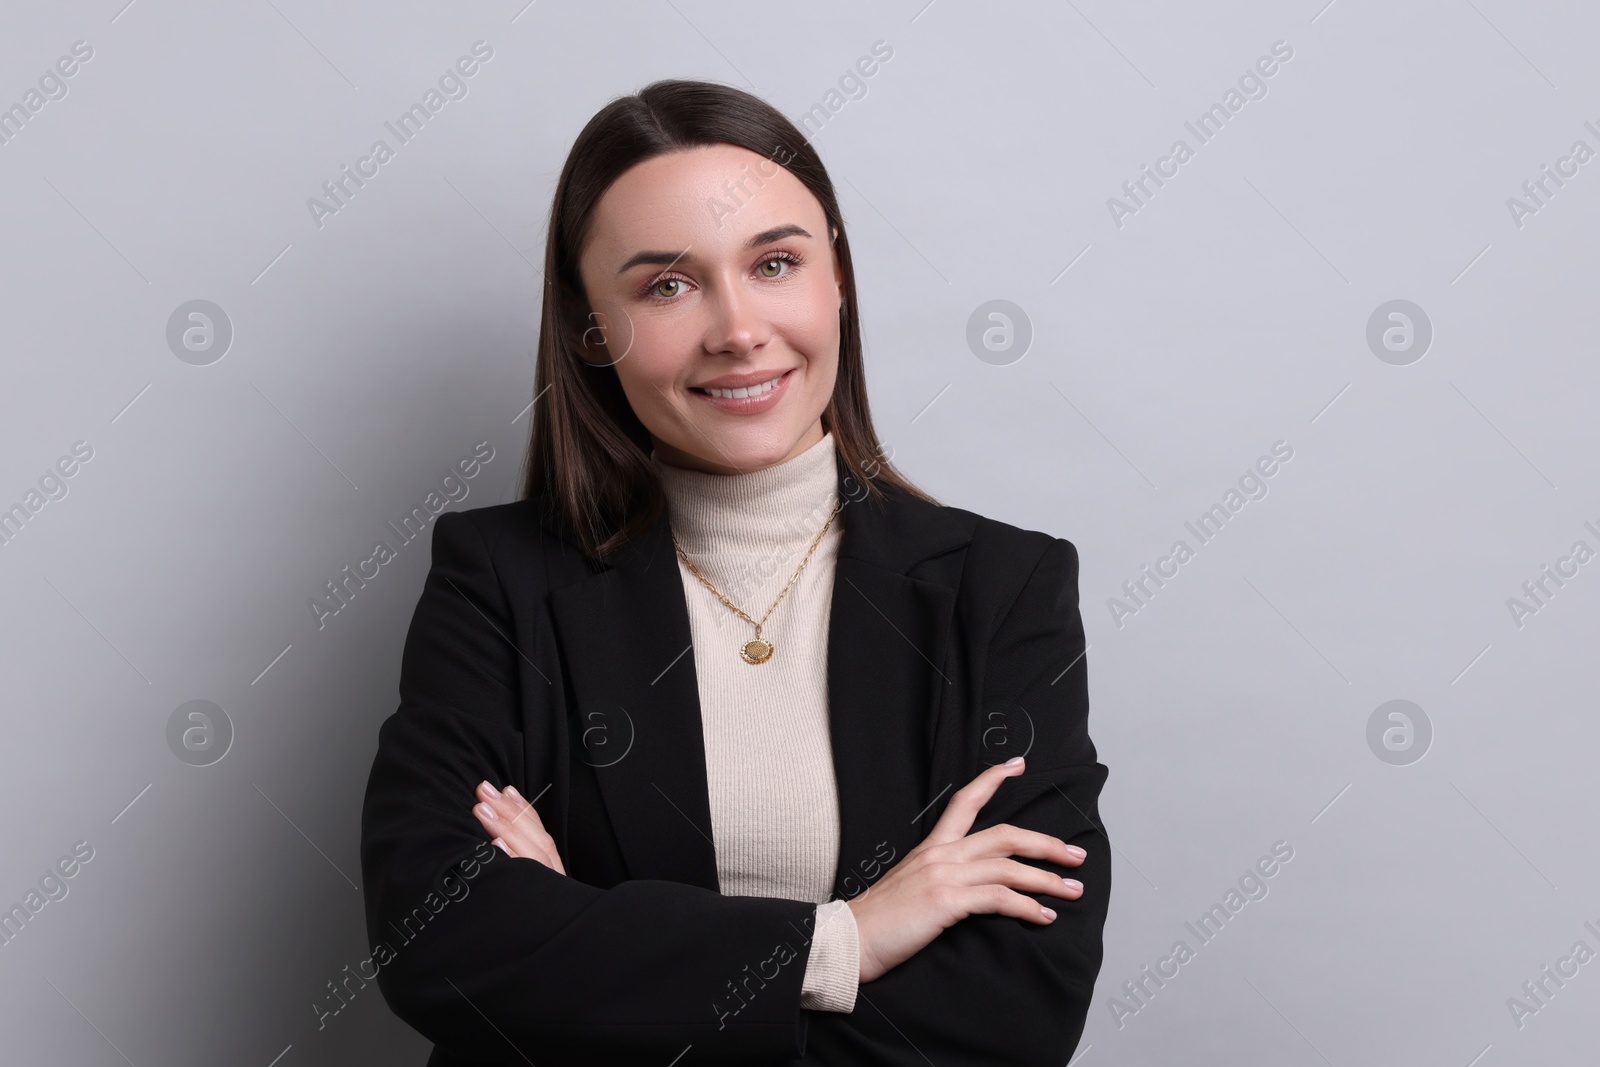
point(1230, 312)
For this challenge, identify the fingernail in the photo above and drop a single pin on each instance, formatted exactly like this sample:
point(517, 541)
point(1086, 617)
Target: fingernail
point(1076, 851)
point(511, 791)
point(1073, 883)
point(485, 812)
point(491, 790)
point(1049, 913)
point(1014, 761)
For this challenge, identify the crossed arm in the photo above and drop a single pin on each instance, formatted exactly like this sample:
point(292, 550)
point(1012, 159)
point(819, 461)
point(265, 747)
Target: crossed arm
point(561, 971)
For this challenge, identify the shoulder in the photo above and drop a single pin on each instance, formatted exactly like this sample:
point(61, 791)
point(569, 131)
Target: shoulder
point(1021, 547)
point(1016, 564)
point(994, 546)
point(515, 539)
point(520, 524)
point(992, 560)
point(506, 522)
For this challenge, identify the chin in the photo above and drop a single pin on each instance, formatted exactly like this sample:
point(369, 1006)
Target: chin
point(750, 455)
point(755, 447)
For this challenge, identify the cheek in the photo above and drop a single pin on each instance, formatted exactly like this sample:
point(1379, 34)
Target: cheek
point(808, 318)
point(650, 371)
point(818, 336)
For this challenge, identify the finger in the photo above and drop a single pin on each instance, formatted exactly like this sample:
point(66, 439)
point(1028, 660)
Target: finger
point(1019, 876)
point(488, 818)
point(526, 822)
point(998, 900)
point(502, 802)
point(506, 814)
point(1004, 839)
point(510, 805)
point(495, 802)
point(521, 809)
point(527, 840)
point(492, 825)
point(520, 837)
point(967, 801)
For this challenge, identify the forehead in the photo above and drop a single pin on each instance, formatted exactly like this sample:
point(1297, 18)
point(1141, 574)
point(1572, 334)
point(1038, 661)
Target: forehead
point(711, 197)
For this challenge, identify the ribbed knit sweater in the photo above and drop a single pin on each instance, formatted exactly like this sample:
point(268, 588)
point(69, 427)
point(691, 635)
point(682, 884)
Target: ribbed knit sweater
point(769, 758)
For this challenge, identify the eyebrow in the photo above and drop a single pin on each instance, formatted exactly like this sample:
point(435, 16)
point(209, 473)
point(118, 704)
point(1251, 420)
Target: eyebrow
point(666, 259)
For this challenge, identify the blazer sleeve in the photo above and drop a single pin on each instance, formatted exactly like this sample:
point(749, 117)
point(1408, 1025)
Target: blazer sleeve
point(994, 990)
point(505, 959)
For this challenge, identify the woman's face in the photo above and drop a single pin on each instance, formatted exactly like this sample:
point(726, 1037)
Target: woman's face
point(709, 272)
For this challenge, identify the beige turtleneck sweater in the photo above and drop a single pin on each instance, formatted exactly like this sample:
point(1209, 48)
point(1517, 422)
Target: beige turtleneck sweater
point(769, 758)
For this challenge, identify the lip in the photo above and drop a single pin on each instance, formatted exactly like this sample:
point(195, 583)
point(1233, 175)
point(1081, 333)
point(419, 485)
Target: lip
point(745, 405)
point(741, 381)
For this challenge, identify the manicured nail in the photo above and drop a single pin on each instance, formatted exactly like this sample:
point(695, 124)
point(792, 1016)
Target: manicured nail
point(1014, 761)
point(491, 790)
point(1073, 883)
point(1048, 913)
point(1076, 851)
point(485, 812)
point(511, 791)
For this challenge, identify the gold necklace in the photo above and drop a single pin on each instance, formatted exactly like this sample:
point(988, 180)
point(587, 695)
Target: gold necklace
point(757, 650)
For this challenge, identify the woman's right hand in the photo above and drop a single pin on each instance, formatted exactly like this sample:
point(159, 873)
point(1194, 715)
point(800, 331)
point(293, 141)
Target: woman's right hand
point(952, 874)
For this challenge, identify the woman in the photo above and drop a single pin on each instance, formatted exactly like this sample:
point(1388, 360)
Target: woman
point(748, 675)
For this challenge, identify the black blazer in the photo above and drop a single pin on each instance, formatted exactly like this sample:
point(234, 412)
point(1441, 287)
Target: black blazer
point(955, 642)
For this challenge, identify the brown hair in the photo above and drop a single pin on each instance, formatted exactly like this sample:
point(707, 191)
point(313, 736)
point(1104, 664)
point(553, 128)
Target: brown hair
point(588, 453)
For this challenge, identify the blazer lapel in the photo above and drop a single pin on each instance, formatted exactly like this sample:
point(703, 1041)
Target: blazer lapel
point(628, 653)
point(627, 650)
point(888, 638)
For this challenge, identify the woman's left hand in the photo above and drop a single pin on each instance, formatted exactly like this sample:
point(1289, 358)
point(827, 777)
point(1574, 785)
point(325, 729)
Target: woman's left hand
point(514, 826)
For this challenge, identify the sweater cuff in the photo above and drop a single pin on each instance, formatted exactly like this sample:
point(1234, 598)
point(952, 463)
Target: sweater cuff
point(833, 970)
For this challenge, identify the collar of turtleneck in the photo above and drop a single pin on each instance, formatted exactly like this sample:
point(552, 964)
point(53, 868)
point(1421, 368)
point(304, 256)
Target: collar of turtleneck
point(748, 532)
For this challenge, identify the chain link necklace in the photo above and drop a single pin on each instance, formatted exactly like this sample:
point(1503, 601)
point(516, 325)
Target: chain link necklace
point(757, 650)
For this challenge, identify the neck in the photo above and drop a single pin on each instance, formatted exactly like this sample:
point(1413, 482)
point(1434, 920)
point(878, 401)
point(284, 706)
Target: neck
point(748, 532)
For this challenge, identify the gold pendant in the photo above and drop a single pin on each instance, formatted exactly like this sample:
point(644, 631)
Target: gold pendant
point(756, 651)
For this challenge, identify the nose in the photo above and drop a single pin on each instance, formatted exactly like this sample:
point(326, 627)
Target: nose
point(737, 324)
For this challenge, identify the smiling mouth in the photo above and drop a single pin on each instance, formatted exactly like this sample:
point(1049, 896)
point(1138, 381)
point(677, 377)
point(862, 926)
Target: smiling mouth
point(745, 391)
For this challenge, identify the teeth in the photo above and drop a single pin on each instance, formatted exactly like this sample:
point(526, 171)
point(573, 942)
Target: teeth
point(753, 390)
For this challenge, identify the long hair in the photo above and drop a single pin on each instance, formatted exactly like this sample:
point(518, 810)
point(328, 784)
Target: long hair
point(588, 454)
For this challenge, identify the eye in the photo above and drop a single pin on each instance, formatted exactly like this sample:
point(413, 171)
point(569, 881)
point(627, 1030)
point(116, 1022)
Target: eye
point(655, 288)
point(782, 262)
point(773, 267)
